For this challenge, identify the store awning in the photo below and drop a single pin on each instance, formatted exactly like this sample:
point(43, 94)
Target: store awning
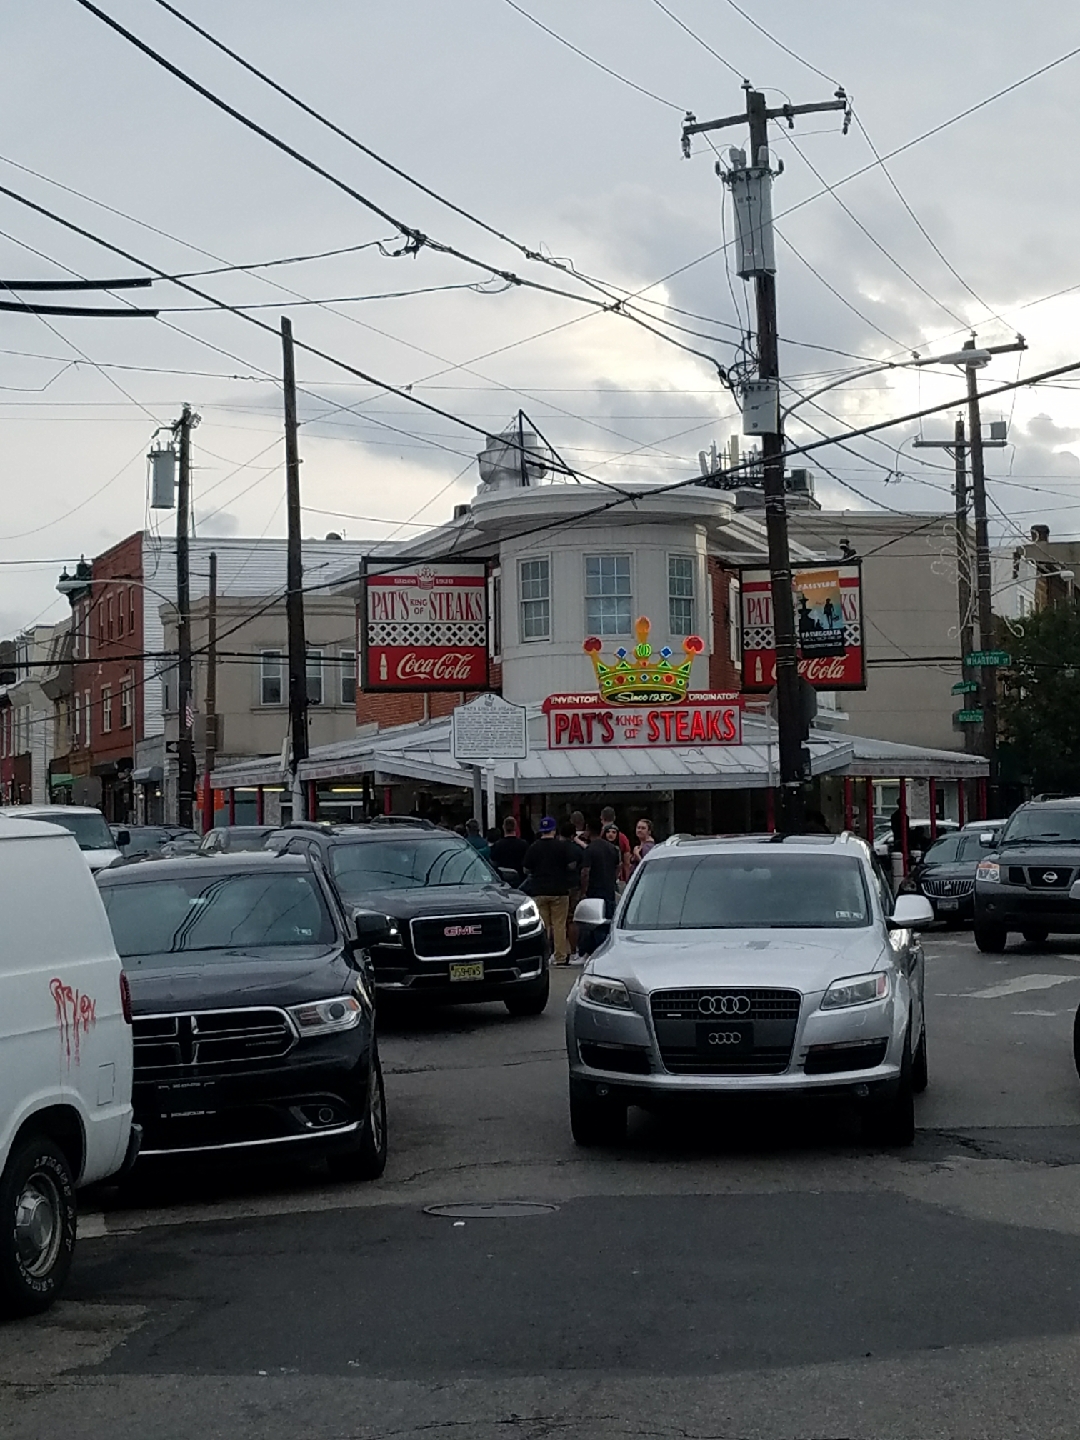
point(148, 775)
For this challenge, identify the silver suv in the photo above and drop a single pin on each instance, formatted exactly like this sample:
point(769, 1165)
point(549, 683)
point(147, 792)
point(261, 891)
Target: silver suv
point(748, 966)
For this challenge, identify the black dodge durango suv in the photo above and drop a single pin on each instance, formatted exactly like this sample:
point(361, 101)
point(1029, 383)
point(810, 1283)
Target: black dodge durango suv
point(458, 932)
point(1031, 882)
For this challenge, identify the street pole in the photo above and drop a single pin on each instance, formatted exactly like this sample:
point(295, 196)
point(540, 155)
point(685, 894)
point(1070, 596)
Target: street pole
point(963, 554)
point(983, 583)
point(789, 710)
point(185, 747)
point(294, 580)
point(210, 740)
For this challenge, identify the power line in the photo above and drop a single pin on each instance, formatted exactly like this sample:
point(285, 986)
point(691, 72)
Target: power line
point(779, 43)
point(694, 36)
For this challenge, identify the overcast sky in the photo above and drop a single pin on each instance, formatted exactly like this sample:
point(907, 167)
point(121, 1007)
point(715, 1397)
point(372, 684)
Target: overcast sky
point(480, 104)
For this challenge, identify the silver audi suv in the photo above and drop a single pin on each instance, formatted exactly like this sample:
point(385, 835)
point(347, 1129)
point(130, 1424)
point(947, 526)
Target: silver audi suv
point(752, 965)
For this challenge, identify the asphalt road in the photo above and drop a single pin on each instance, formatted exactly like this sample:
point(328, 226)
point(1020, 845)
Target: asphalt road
point(750, 1273)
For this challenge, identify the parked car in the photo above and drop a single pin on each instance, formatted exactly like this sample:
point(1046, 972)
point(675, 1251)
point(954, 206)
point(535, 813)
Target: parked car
point(143, 841)
point(65, 1057)
point(946, 873)
point(919, 840)
point(235, 839)
point(254, 1015)
point(752, 966)
point(458, 932)
point(92, 834)
point(1031, 881)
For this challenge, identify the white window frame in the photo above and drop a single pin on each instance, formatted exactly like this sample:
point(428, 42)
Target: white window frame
point(314, 670)
point(538, 604)
point(87, 707)
point(675, 598)
point(127, 689)
point(609, 627)
point(266, 659)
point(347, 676)
point(106, 709)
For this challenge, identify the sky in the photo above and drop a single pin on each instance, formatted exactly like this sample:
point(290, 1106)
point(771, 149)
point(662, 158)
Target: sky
point(967, 230)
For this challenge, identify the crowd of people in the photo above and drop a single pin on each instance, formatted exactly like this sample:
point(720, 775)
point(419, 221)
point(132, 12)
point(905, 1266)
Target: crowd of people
point(574, 860)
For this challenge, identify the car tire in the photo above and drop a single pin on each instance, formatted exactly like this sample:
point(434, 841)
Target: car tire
point(37, 1226)
point(991, 939)
point(920, 1073)
point(891, 1122)
point(366, 1160)
point(1036, 934)
point(594, 1119)
point(532, 1001)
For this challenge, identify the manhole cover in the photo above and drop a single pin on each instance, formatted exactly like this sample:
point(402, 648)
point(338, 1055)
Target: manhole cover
point(503, 1210)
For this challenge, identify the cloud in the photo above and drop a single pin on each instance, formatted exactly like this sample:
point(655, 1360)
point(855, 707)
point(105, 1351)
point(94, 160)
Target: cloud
point(1043, 429)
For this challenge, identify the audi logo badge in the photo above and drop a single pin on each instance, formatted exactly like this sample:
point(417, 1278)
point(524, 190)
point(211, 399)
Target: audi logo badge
point(725, 1037)
point(724, 1005)
point(1049, 876)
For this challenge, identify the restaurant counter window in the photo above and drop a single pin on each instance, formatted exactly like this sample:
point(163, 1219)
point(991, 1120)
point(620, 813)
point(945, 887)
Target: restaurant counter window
point(314, 677)
point(534, 590)
point(347, 660)
point(270, 687)
point(609, 601)
point(681, 594)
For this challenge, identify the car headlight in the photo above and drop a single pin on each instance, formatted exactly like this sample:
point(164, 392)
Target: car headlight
point(989, 871)
point(856, 990)
point(528, 917)
point(342, 1012)
point(611, 993)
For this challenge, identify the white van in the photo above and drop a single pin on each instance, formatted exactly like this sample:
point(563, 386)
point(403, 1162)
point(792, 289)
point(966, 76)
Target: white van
point(65, 1056)
point(88, 825)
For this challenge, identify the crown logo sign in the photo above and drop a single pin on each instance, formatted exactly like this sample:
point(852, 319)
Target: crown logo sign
point(645, 676)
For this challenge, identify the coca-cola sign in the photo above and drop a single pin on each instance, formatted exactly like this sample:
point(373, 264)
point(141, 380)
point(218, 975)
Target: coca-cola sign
point(827, 601)
point(424, 625)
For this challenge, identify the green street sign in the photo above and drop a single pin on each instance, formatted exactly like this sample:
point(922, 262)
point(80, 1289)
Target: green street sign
point(968, 717)
point(987, 657)
point(966, 687)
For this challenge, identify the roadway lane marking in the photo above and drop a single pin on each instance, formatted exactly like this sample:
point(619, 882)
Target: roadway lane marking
point(1019, 985)
point(1043, 1014)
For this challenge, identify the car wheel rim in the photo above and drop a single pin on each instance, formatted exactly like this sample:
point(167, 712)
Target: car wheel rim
point(375, 1111)
point(38, 1225)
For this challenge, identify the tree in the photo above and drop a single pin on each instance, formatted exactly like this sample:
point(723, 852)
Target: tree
point(1040, 706)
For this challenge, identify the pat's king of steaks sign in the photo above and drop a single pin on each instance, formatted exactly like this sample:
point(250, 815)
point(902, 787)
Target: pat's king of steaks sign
point(423, 625)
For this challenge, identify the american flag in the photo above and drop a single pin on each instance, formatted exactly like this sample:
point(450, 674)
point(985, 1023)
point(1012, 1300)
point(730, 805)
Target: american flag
point(189, 716)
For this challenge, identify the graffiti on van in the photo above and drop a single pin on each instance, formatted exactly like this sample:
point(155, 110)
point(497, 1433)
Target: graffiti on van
point(76, 1014)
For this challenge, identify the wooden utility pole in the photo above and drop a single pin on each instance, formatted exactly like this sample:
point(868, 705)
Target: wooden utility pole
point(185, 747)
point(210, 741)
point(294, 599)
point(762, 267)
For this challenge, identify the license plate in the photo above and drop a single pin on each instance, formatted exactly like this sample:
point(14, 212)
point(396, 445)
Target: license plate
point(724, 1038)
point(467, 970)
point(194, 1097)
point(948, 904)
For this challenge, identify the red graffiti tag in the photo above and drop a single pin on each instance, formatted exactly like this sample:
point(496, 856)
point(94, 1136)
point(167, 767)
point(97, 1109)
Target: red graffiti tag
point(75, 1014)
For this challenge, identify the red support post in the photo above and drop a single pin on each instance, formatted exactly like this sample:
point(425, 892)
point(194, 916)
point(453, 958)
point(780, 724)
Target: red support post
point(388, 800)
point(260, 806)
point(515, 810)
point(207, 805)
point(904, 823)
point(982, 797)
point(960, 802)
point(232, 806)
point(849, 803)
point(770, 810)
point(933, 810)
point(870, 810)
point(312, 800)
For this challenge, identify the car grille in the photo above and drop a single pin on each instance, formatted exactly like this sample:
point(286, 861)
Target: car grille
point(939, 888)
point(774, 1013)
point(456, 937)
point(1041, 877)
point(210, 1038)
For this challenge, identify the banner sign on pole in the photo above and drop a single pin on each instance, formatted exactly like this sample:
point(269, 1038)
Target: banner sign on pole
point(828, 622)
point(423, 625)
point(588, 722)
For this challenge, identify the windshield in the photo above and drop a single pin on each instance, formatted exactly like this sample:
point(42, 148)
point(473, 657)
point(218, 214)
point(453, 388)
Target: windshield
point(223, 912)
point(1043, 827)
point(90, 830)
point(763, 891)
point(408, 864)
point(944, 852)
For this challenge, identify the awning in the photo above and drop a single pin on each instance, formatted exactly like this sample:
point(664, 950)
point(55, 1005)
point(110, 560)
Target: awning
point(148, 775)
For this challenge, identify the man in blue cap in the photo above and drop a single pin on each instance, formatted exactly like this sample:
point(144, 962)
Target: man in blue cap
point(549, 865)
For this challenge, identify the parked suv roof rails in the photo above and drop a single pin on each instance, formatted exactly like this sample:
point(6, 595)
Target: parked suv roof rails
point(416, 820)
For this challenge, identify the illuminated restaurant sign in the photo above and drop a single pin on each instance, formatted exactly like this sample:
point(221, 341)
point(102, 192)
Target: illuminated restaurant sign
point(589, 722)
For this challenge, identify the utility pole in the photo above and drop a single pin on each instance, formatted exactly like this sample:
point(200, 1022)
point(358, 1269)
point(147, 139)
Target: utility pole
point(294, 599)
point(210, 742)
point(185, 747)
point(751, 186)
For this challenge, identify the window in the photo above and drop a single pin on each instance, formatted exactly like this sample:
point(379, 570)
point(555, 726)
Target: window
point(109, 625)
point(347, 659)
point(125, 704)
point(86, 711)
point(120, 615)
point(106, 708)
point(77, 717)
point(734, 600)
point(314, 677)
point(608, 600)
point(680, 586)
point(270, 687)
point(131, 610)
point(534, 588)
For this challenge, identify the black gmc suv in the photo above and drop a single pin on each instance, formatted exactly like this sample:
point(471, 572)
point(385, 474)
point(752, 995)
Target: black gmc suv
point(458, 932)
point(253, 1010)
point(1031, 882)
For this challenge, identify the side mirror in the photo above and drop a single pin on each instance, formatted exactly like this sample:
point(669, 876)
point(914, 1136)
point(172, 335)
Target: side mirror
point(986, 838)
point(509, 874)
point(370, 928)
point(911, 912)
point(590, 912)
point(123, 837)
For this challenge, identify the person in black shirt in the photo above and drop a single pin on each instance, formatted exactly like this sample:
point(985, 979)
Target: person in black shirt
point(509, 852)
point(600, 870)
point(548, 865)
